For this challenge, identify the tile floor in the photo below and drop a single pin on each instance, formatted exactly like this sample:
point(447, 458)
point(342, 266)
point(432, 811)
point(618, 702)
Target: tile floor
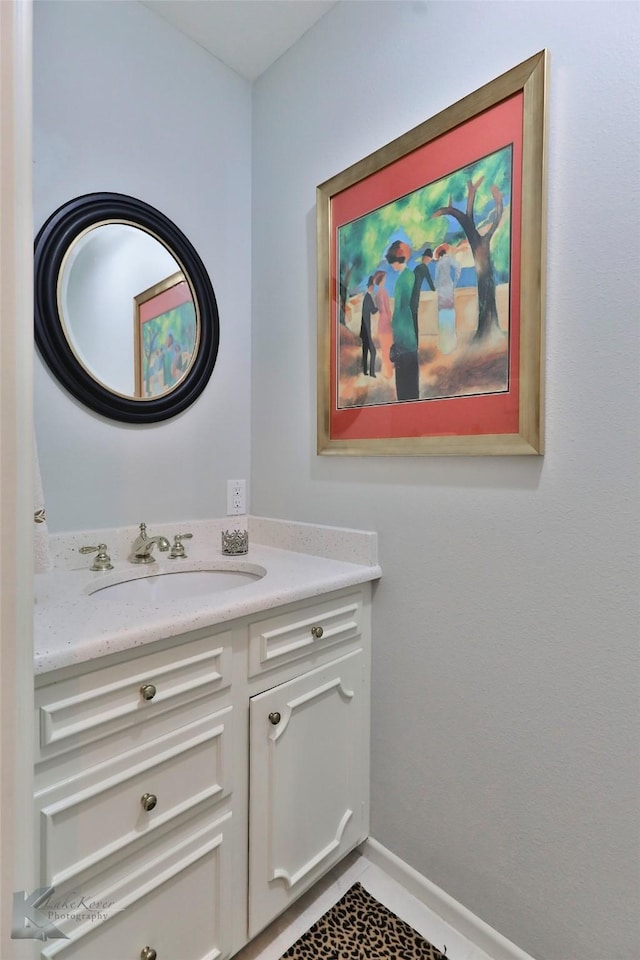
point(277, 938)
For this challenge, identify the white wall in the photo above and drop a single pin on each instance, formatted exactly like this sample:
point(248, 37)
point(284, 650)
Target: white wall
point(506, 634)
point(124, 103)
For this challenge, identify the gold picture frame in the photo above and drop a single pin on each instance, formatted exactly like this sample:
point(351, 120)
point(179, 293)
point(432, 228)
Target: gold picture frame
point(468, 185)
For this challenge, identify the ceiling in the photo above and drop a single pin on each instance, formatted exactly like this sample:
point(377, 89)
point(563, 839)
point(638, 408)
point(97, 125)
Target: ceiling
point(246, 35)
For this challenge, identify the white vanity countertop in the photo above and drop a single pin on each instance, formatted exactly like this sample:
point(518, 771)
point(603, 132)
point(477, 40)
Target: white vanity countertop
point(72, 626)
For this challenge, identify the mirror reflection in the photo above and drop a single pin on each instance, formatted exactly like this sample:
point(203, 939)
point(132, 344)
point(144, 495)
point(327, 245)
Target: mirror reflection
point(125, 315)
point(127, 310)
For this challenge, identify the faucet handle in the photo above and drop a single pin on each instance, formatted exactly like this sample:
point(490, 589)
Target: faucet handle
point(177, 550)
point(102, 560)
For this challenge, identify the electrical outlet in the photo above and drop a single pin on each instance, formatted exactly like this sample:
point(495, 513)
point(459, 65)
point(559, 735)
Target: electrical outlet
point(236, 497)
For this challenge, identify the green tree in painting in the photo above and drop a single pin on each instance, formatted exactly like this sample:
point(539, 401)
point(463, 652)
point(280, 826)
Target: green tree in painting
point(475, 197)
point(363, 242)
point(469, 187)
point(360, 245)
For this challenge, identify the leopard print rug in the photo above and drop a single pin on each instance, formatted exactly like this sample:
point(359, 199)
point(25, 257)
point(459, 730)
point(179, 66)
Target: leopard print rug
point(360, 928)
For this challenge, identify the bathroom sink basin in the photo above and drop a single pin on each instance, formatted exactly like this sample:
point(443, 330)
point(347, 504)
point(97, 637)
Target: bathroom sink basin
point(176, 585)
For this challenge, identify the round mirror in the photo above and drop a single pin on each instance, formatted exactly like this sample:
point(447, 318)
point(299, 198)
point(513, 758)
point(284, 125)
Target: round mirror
point(125, 315)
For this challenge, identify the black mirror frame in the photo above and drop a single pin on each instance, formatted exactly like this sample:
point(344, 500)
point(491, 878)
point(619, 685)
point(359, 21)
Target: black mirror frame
point(51, 244)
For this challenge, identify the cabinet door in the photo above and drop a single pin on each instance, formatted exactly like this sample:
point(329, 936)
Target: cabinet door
point(307, 782)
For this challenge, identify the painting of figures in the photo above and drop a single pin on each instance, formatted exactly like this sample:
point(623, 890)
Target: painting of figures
point(446, 249)
point(431, 280)
point(165, 335)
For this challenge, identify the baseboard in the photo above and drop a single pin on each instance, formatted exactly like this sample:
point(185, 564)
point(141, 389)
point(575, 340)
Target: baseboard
point(479, 933)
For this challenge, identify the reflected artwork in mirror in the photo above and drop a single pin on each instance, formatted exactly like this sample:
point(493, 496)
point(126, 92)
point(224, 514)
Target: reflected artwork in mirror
point(125, 314)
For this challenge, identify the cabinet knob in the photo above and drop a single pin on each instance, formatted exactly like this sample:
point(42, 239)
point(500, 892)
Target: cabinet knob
point(147, 691)
point(148, 801)
point(148, 953)
point(317, 632)
point(275, 718)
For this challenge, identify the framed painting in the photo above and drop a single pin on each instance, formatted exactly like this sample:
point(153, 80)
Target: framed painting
point(431, 283)
point(165, 336)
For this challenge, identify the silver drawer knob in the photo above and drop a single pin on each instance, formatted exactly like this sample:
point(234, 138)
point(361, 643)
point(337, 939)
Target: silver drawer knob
point(317, 632)
point(148, 953)
point(148, 801)
point(147, 691)
point(275, 718)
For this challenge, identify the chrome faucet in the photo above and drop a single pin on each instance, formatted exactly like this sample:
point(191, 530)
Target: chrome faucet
point(143, 545)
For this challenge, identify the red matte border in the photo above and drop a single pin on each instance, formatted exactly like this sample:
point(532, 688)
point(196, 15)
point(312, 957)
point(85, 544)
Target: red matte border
point(169, 299)
point(489, 131)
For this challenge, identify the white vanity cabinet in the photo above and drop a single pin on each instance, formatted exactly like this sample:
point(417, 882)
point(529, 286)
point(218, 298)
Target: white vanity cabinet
point(309, 748)
point(193, 788)
point(133, 802)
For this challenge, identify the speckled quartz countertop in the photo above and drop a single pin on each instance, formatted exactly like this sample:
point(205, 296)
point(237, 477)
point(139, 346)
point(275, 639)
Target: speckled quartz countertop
point(76, 621)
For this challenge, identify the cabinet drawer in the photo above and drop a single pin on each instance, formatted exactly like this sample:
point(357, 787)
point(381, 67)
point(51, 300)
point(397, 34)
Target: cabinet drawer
point(81, 710)
point(278, 640)
point(179, 906)
point(107, 808)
